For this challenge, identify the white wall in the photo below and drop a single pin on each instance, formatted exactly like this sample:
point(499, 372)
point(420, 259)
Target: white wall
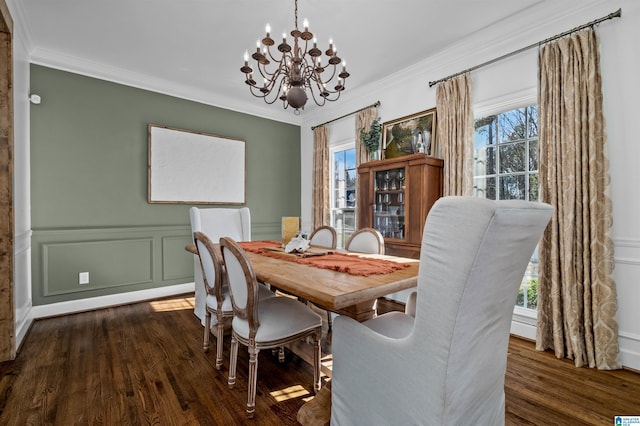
point(21, 188)
point(511, 83)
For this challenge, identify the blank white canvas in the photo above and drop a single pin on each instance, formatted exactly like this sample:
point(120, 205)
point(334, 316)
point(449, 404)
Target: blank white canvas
point(195, 168)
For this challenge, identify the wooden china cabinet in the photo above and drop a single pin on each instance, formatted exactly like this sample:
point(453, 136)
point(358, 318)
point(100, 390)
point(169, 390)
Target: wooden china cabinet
point(394, 197)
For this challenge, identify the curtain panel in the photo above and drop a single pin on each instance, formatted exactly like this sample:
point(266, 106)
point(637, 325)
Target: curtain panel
point(577, 300)
point(455, 134)
point(320, 178)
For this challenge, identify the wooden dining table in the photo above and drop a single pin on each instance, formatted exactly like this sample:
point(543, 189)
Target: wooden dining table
point(341, 292)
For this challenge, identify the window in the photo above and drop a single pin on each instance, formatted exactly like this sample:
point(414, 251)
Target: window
point(343, 192)
point(506, 168)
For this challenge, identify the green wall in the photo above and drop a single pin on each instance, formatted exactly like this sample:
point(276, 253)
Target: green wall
point(89, 209)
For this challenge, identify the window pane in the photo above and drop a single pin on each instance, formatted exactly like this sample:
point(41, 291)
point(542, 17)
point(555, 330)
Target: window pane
point(485, 161)
point(512, 125)
point(339, 161)
point(349, 220)
point(512, 187)
point(533, 155)
point(512, 158)
point(350, 179)
point(485, 187)
point(533, 121)
point(336, 199)
point(485, 131)
point(350, 159)
point(534, 194)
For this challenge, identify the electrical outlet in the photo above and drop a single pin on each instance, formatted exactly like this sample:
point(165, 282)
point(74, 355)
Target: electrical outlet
point(83, 278)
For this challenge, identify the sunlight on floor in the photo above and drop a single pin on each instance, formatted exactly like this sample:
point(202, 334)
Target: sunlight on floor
point(327, 361)
point(296, 391)
point(176, 304)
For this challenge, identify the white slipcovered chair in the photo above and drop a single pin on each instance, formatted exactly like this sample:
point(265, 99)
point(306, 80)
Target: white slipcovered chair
point(264, 323)
point(216, 223)
point(446, 366)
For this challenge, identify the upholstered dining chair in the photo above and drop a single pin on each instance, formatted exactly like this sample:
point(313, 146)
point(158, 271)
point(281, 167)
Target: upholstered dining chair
point(446, 366)
point(263, 324)
point(366, 240)
point(217, 301)
point(216, 223)
point(324, 236)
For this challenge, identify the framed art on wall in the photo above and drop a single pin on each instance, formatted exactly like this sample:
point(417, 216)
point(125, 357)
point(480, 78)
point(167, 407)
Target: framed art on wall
point(413, 134)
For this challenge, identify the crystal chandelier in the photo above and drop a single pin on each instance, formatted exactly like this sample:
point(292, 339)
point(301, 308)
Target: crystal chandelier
point(298, 70)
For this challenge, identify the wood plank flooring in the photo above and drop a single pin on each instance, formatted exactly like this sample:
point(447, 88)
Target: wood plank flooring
point(143, 364)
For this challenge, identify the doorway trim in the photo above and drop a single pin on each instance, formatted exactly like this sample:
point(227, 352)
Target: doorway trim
point(7, 231)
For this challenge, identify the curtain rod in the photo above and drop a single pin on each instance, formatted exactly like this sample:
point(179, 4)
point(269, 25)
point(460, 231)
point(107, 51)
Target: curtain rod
point(616, 14)
point(377, 103)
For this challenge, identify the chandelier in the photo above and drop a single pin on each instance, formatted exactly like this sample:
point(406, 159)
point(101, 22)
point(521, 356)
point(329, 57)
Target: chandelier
point(297, 72)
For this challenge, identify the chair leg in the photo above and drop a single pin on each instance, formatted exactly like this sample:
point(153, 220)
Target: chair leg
point(233, 360)
point(253, 378)
point(207, 330)
point(317, 356)
point(281, 354)
point(219, 341)
point(329, 320)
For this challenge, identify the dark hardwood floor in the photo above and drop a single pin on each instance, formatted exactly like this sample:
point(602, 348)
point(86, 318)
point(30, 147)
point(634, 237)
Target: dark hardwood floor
point(143, 364)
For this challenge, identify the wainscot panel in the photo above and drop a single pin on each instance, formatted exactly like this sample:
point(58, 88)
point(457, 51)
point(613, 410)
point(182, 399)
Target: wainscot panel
point(118, 260)
point(173, 264)
point(107, 263)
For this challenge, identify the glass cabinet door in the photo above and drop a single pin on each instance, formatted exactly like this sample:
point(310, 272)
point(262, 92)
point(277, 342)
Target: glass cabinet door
point(389, 202)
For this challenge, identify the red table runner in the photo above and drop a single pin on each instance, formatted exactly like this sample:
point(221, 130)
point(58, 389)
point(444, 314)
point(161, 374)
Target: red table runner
point(341, 262)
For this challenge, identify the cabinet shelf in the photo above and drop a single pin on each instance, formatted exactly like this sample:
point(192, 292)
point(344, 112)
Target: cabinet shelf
point(418, 182)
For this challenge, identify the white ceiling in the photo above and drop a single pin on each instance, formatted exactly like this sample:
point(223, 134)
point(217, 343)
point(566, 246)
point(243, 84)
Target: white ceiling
point(194, 48)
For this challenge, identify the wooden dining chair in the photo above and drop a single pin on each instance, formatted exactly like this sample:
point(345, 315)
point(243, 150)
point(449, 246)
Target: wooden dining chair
point(366, 240)
point(216, 222)
point(264, 323)
point(217, 299)
point(324, 236)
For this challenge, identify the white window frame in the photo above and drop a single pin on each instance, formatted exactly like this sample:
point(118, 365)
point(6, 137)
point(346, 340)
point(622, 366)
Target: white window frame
point(340, 146)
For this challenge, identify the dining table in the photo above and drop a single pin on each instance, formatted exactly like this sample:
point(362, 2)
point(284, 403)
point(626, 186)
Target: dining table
point(347, 283)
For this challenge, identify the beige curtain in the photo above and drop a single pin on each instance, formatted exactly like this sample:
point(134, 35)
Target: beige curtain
point(454, 137)
point(364, 118)
point(577, 301)
point(320, 177)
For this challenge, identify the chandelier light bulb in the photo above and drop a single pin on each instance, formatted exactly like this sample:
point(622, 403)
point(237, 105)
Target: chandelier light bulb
point(305, 24)
point(246, 56)
point(267, 29)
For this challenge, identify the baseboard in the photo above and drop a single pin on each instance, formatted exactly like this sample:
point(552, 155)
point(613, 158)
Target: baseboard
point(81, 305)
point(24, 319)
point(629, 350)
